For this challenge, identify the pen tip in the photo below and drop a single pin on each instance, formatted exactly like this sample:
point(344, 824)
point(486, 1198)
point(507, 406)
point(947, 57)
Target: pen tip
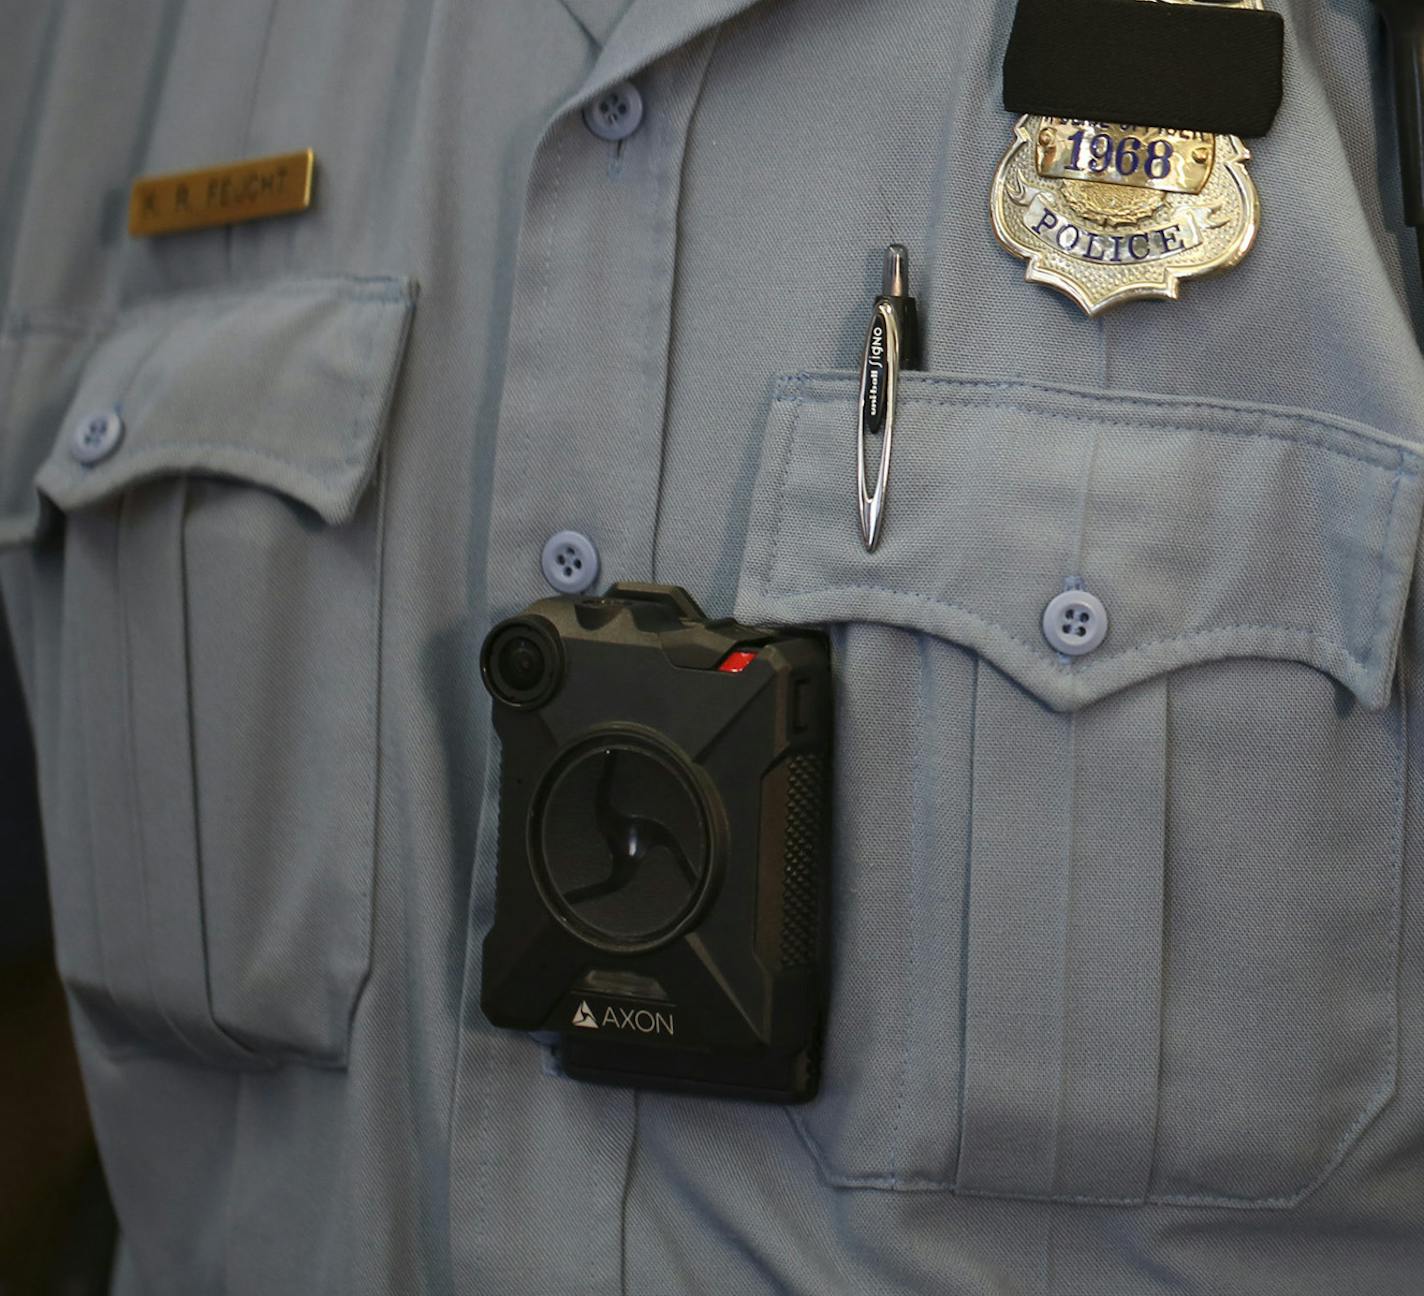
point(895, 278)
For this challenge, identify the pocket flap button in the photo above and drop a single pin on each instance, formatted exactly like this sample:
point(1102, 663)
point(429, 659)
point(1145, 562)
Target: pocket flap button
point(96, 436)
point(1075, 622)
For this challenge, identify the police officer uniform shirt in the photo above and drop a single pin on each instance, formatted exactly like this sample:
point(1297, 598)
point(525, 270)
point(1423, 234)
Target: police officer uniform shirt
point(1128, 946)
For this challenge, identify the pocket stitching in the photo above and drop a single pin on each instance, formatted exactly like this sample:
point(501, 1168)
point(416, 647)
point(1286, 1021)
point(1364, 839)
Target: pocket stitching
point(77, 323)
point(1080, 667)
point(1405, 464)
point(1402, 458)
point(894, 1182)
point(232, 455)
point(1400, 454)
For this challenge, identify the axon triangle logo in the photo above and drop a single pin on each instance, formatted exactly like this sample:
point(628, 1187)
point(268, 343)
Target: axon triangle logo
point(583, 1016)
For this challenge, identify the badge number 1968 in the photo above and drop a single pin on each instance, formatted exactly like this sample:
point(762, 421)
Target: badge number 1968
point(1108, 212)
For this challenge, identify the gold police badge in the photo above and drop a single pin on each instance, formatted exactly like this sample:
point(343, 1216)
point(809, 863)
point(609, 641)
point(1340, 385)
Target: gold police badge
point(1107, 212)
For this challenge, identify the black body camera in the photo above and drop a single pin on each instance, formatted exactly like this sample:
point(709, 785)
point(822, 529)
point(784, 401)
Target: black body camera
point(661, 892)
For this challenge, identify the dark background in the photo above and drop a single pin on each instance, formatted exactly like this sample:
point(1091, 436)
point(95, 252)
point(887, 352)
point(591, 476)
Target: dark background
point(56, 1225)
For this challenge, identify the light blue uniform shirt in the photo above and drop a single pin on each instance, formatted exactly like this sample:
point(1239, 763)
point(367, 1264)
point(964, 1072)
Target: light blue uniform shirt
point(1128, 992)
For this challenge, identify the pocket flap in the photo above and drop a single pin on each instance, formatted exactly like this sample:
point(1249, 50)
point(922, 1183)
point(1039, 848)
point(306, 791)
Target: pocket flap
point(1208, 530)
point(285, 386)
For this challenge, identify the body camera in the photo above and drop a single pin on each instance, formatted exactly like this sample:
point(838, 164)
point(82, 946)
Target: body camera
point(661, 890)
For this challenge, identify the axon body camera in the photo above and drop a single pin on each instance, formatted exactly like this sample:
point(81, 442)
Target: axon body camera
point(661, 885)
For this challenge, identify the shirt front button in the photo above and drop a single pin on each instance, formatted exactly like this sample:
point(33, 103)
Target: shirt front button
point(96, 436)
point(1075, 622)
point(616, 113)
point(570, 562)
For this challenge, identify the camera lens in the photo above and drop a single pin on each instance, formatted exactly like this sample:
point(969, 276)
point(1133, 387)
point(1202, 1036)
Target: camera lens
point(521, 663)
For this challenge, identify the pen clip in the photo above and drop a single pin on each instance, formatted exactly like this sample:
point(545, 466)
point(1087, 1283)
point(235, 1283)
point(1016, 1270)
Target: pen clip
point(879, 379)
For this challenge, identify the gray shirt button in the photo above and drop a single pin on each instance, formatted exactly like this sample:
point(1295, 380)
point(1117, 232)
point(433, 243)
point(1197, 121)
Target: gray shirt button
point(616, 113)
point(96, 436)
point(570, 562)
point(1075, 622)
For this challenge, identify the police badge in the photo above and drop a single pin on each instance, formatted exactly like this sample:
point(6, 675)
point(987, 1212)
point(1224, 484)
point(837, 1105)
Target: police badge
point(1107, 213)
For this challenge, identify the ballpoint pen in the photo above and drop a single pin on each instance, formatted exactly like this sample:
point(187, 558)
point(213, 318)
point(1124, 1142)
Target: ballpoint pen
point(892, 343)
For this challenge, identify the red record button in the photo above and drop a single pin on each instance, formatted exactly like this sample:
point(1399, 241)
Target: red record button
point(736, 661)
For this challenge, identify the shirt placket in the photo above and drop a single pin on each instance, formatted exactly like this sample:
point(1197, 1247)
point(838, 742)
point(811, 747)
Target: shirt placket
point(581, 423)
point(539, 1163)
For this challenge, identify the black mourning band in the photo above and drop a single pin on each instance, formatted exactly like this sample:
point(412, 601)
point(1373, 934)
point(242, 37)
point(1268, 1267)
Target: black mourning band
point(1184, 66)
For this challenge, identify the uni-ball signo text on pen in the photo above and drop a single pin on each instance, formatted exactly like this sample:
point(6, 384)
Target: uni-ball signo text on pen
point(892, 343)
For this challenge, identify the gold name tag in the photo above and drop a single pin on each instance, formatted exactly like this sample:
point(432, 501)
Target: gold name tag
point(222, 195)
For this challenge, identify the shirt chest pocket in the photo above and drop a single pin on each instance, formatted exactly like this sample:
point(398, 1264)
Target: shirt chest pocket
point(205, 613)
point(1119, 926)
